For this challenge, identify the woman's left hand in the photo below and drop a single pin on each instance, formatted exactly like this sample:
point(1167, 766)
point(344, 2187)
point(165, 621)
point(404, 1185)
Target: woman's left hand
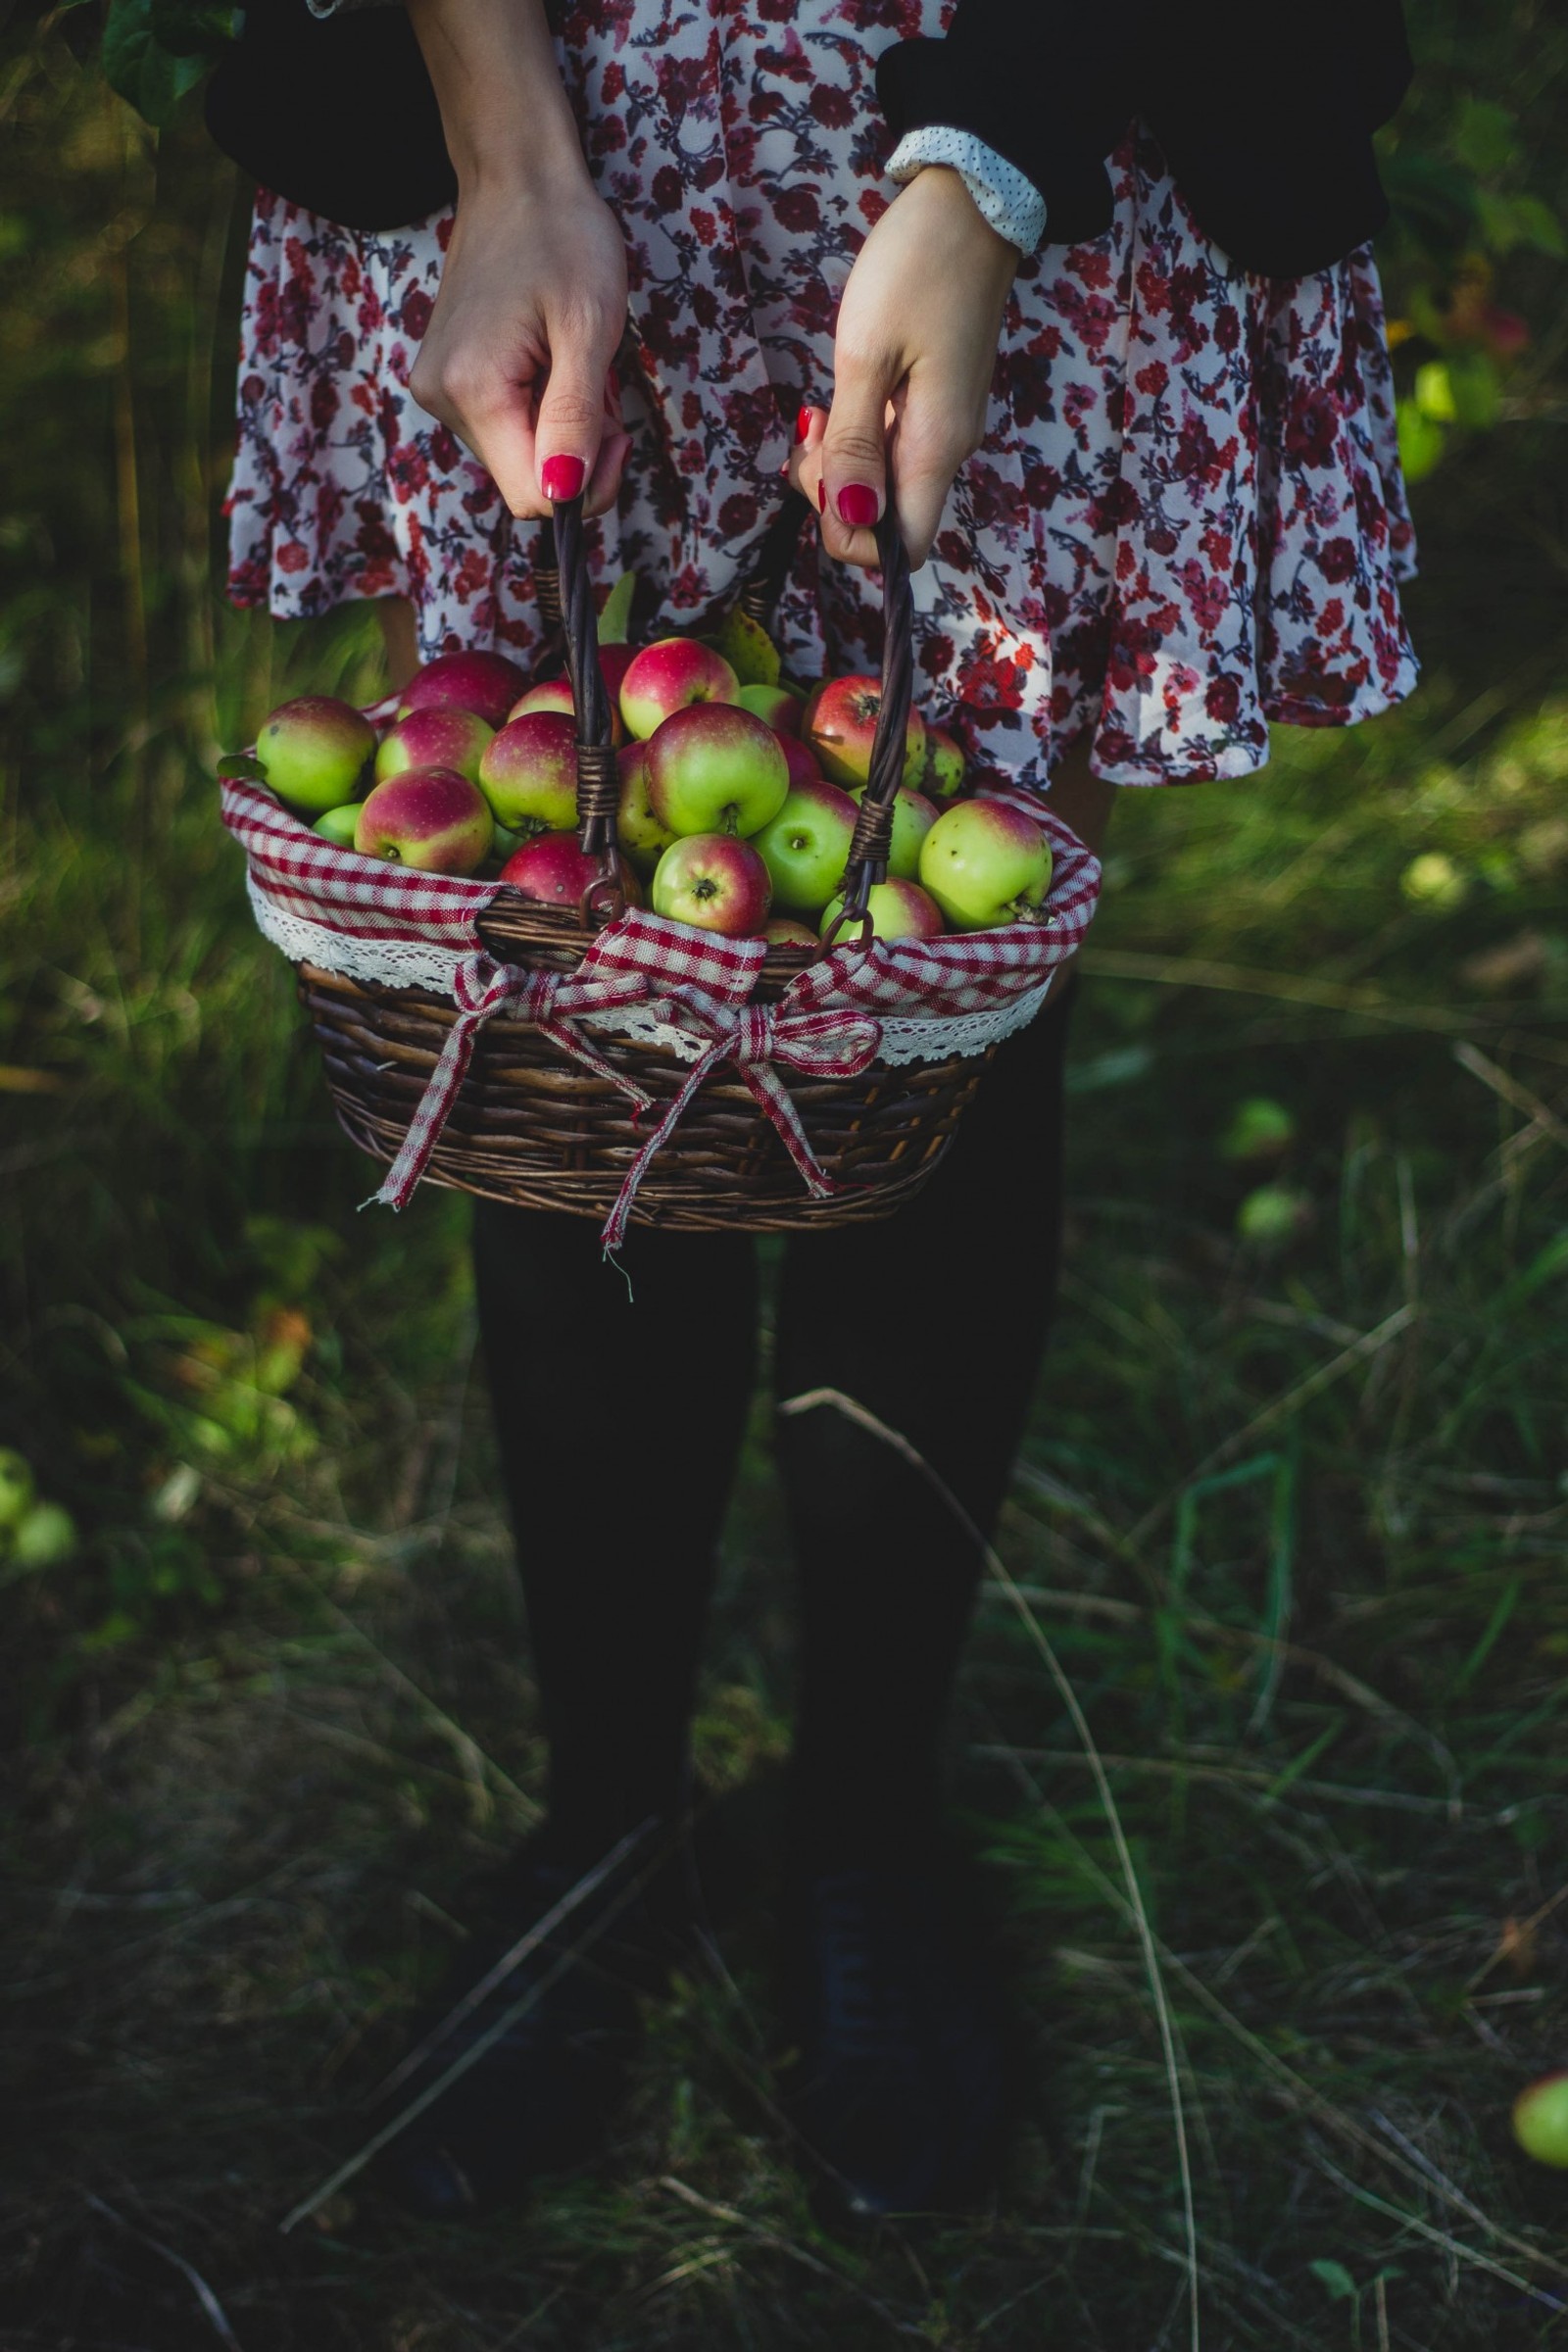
point(913, 360)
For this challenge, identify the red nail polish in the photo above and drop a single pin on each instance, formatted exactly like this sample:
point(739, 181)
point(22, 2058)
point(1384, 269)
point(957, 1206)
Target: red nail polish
point(563, 477)
point(858, 504)
point(803, 424)
point(821, 495)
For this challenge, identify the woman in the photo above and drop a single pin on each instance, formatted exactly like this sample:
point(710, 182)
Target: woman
point(1137, 415)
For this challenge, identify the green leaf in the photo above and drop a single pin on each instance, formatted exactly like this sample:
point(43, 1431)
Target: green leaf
point(748, 649)
point(238, 767)
point(1483, 138)
point(615, 619)
point(195, 27)
point(1336, 2279)
point(1538, 226)
point(139, 70)
point(1421, 442)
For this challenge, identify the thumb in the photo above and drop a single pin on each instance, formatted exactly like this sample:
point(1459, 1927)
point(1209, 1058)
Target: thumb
point(851, 491)
point(570, 421)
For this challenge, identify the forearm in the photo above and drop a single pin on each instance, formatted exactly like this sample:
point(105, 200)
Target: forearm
point(507, 119)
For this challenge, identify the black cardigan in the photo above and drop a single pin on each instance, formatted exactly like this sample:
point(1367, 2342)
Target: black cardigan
point(1266, 115)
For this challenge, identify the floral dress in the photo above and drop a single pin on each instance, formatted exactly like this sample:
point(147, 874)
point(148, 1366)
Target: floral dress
point(1187, 518)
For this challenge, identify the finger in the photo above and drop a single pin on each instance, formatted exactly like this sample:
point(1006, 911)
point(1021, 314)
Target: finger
point(851, 487)
point(803, 464)
point(936, 433)
point(491, 414)
point(603, 485)
point(570, 421)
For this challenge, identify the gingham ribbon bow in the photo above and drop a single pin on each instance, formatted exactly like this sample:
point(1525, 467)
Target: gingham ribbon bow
point(480, 988)
point(821, 1044)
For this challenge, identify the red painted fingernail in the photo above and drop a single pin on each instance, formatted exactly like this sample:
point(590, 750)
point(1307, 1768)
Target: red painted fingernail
point(821, 495)
point(803, 424)
point(563, 477)
point(858, 504)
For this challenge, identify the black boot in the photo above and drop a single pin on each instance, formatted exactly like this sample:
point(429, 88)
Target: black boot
point(898, 2082)
point(558, 2019)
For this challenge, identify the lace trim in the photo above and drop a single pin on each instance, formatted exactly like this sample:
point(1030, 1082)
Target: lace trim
point(413, 963)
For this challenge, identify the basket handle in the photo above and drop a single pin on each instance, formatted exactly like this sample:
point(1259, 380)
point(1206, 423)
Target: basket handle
point(598, 772)
point(873, 827)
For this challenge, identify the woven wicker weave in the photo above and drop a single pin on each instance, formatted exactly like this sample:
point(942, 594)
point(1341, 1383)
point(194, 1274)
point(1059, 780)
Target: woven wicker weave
point(534, 1128)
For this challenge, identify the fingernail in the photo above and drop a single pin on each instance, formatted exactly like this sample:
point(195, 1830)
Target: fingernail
point(563, 477)
point(858, 503)
point(822, 497)
point(803, 424)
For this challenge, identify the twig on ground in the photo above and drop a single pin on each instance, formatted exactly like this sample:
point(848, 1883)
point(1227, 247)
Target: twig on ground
point(203, 2294)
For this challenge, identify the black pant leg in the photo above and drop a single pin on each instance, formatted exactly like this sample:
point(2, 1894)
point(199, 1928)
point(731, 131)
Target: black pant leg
point(935, 1320)
point(620, 1398)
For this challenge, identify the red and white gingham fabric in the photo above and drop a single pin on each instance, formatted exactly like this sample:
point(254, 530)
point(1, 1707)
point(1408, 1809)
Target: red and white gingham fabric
point(827, 1023)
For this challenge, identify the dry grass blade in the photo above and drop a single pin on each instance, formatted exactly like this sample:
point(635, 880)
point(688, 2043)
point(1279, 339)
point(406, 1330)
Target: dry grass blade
point(1453, 2246)
point(1542, 1118)
point(1289, 988)
point(813, 1400)
point(203, 2294)
point(758, 2235)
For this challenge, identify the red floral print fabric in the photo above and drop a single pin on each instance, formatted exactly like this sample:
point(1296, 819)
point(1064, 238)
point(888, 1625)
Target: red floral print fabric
point(1187, 518)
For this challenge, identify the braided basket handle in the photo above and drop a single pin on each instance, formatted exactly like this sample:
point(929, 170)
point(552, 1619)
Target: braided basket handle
point(598, 772)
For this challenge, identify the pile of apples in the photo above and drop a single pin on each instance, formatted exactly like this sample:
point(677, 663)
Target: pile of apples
point(738, 801)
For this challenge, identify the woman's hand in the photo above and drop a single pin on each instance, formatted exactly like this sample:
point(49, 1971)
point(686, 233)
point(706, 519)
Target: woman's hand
point(517, 357)
point(914, 350)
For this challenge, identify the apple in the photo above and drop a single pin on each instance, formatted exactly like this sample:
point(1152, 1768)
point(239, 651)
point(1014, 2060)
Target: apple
point(807, 846)
point(553, 871)
point(530, 772)
point(428, 817)
point(777, 707)
point(898, 910)
point(839, 722)
point(985, 865)
point(17, 1488)
point(487, 683)
point(715, 882)
point(339, 825)
point(713, 768)
point(670, 675)
point(801, 763)
point(945, 764)
point(639, 831)
point(315, 750)
point(1541, 2119)
point(503, 843)
point(613, 663)
point(783, 931)
point(913, 816)
point(42, 1538)
point(556, 695)
point(440, 738)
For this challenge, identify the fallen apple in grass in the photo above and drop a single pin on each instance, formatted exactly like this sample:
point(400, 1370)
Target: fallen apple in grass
point(669, 675)
point(430, 818)
point(313, 752)
point(641, 834)
point(441, 738)
point(913, 816)
point(554, 870)
point(807, 846)
point(715, 769)
point(1541, 2119)
point(488, 683)
point(339, 825)
point(898, 910)
point(713, 881)
point(838, 723)
point(986, 865)
point(529, 773)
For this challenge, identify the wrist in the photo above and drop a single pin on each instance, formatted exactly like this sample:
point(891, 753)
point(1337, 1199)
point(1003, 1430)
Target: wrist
point(938, 193)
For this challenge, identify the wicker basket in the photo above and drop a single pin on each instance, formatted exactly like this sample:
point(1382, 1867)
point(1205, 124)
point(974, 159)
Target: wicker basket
point(541, 1127)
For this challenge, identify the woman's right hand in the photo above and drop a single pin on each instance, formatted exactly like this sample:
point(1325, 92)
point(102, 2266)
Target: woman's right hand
point(518, 356)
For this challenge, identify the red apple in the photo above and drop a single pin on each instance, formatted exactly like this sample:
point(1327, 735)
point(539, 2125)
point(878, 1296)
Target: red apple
point(669, 676)
point(783, 931)
point(530, 772)
point(985, 865)
point(488, 683)
point(945, 764)
point(913, 816)
point(556, 695)
point(640, 832)
point(898, 910)
point(807, 846)
point(712, 768)
point(428, 817)
point(438, 738)
point(315, 750)
point(715, 882)
point(839, 722)
point(553, 871)
point(613, 663)
point(801, 763)
point(777, 707)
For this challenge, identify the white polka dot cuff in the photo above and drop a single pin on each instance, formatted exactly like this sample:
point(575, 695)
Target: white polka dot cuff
point(1010, 203)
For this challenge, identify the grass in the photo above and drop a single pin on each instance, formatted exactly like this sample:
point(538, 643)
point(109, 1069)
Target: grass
point(1293, 1513)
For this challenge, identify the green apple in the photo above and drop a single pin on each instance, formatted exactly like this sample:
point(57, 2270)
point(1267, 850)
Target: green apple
point(898, 910)
point(313, 752)
point(339, 825)
point(944, 765)
point(777, 707)
point(1541, 2119)
point(44, 1538)
point(986, 865)
point(807, 846)
point(17, 1488)
point(714, 768)
point(913, 816)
